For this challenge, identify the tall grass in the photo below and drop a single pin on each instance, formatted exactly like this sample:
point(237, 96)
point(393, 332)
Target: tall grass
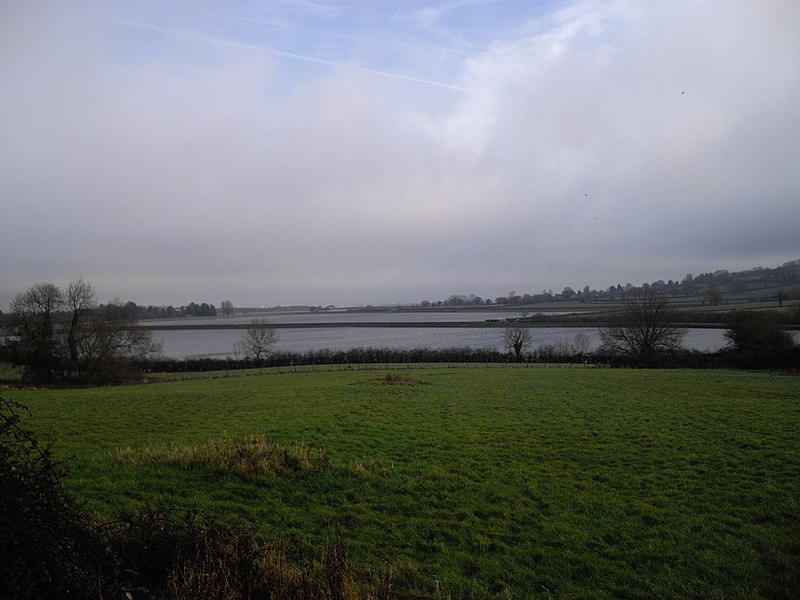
point(190, 557)
point(248, 455)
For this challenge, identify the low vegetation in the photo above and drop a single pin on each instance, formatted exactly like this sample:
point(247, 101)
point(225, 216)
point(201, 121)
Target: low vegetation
point(246, 455)
point(396, 379)
point(481, 483)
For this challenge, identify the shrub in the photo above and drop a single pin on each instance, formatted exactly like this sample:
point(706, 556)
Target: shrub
point(46, 542)
point(394, 379)
point(757, 340)
point(757, 331)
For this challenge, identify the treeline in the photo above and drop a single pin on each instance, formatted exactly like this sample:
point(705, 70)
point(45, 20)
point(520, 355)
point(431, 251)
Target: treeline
point(736, 282)
point(171, 312)
point(140, 312)
point(687, 317)
point(785, 358)
point(546, 353)
point(362, 355)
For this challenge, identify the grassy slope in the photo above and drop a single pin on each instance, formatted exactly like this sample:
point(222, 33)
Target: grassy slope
point(583, 482)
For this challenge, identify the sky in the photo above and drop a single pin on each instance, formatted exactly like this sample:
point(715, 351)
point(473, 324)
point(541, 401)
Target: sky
point(378, 152)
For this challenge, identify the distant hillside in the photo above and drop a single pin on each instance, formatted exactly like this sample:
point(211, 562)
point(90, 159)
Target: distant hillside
point(761, 286)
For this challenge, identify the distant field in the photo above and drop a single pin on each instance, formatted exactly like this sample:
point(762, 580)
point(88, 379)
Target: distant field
point(475, 483)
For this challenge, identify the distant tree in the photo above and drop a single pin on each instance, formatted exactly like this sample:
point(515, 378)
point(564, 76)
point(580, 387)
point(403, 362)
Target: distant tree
point(33, 323)
point(739, 286)
point(111, 344)
point(722, 275)
point(64, 334)
point(714, 295)
point(207, 310)
point(514, 298)
point(756, 332)
point(227, 307)
point(781, 297)
point(582, 344)
point(567, 293)
point(517, 339)
point(137, 312)
point(258, 340)
point(80, 302)
point(455, 300)
point(199, 310)
point(645, 325)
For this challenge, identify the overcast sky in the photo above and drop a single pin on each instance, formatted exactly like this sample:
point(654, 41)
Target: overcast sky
point(302, 151)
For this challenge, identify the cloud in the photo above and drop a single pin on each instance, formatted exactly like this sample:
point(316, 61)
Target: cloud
point(594, 143)
point(655, 122)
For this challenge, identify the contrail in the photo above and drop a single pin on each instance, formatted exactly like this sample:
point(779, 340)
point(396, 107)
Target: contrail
point(290, 55)
point(347, 36)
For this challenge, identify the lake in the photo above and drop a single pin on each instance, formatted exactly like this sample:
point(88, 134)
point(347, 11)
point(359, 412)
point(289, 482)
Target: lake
point(218, 343)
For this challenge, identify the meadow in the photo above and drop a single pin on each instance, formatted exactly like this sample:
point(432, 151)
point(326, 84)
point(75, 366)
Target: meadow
point(469, 482)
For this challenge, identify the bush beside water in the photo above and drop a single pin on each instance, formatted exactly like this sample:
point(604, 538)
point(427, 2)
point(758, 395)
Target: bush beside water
point(784, 358)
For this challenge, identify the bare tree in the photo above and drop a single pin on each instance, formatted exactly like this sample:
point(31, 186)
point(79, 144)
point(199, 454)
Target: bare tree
point(781, 297)
point(33, 322)
point(582, 344)
point(714, 295)
point(517, 338)
point(258, 340)
point(111, 344)
point(227, 307)
point(65, 334)
point(80, 302)
point(646, 325)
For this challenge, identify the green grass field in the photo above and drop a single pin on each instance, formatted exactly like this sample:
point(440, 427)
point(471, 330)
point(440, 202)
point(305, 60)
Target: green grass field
point(475, 483)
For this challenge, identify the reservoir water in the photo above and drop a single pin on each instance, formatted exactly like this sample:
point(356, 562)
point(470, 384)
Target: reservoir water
point(218, 343)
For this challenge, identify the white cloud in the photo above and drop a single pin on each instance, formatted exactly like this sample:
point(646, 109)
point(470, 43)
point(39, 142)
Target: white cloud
point(600, 142)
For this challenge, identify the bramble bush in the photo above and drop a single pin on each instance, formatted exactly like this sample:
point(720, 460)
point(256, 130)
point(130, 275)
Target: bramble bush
point(46, 539)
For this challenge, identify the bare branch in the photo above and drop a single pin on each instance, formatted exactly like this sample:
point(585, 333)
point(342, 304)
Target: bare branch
point(646, 325)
